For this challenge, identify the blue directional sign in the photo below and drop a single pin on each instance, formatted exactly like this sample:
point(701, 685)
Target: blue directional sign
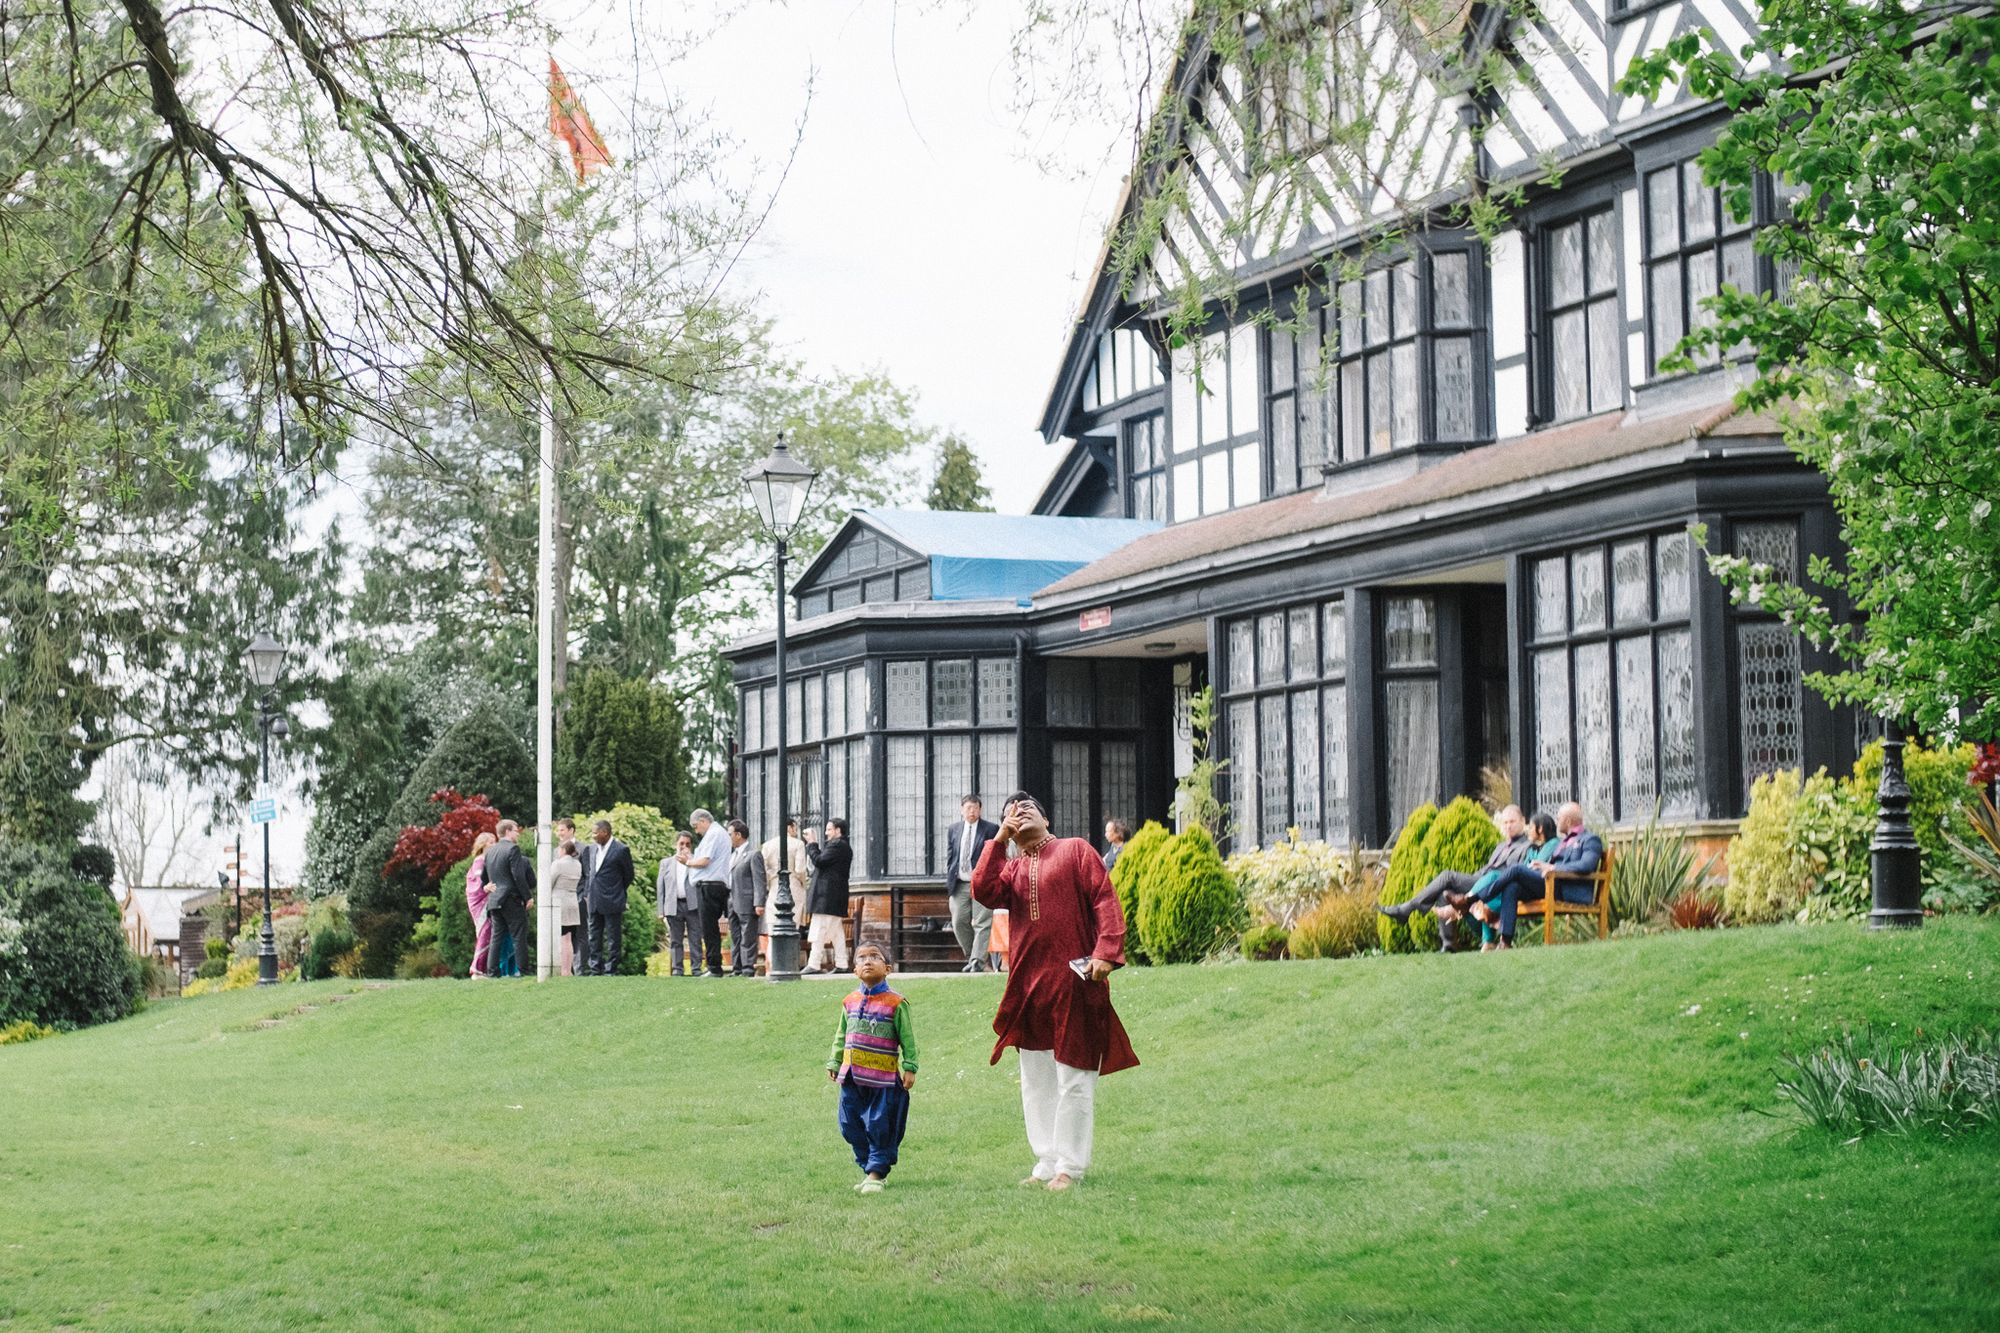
point(263, 812)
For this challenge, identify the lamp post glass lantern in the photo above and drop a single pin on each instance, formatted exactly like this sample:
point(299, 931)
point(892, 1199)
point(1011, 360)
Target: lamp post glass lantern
point(779, 487)
point(266, 657)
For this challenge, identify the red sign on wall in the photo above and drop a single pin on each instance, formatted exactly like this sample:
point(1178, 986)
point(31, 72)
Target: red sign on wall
point(1099, 618)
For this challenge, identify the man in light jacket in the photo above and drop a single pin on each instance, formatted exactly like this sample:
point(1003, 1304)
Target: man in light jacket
point(678, 902)
point(746, 899)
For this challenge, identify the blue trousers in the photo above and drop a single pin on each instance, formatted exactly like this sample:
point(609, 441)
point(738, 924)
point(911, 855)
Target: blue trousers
point(872, 1120)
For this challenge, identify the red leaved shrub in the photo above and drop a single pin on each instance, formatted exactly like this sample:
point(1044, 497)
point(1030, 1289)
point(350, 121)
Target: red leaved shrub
point(432, 849)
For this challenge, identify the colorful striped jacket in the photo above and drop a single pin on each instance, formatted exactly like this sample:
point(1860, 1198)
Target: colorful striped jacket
point(875, 1039)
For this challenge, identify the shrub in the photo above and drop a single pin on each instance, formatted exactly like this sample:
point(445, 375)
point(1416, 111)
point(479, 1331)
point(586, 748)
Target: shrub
point(24, 1030)
point(1859, 1085)
point(642, 936)
point(421, 964)
point(1264, 944)
point(1459, 837)
point(330, 935)
point(1942, 802)
point(1831, 826)
point(457, 935)
point(1764, 880)
point(1343, 924)
point(1281, 883)
point(347, 964)
point(480, 754)
point(211, 969)
point(155, 977)
point(621, 741)
point(1187, 901)
point(1141, 850)
point(63, 960)
point(216, 949)
point(642, 828)
point(1650, 870)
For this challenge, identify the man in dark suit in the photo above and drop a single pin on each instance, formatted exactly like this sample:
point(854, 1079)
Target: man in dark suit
point(510, 880)
point(826, 901)
point(606, 876)
point(746, 899)
point(971, 922)
point(1579, 853)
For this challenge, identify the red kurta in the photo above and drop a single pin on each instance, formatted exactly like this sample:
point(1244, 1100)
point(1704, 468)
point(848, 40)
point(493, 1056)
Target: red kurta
point(1060, 905)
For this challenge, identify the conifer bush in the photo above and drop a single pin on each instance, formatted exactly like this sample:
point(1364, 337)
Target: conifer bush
point(1459, 837)
point(1766, 881)
point(1188, 903)
point(1141, 849)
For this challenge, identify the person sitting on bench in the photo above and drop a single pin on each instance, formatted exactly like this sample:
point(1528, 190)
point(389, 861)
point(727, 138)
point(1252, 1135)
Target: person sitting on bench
point(1579, 853)
point(1542, 844)
point(1512, 849)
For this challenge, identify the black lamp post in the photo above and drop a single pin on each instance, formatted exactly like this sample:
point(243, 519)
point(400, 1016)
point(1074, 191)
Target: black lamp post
point(1893, 858)
point(267, 664)
point(778, 487)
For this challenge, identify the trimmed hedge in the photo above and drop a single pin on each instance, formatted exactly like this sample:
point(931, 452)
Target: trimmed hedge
point(1141, 850)
point(1187, 902)
point(1459, 837)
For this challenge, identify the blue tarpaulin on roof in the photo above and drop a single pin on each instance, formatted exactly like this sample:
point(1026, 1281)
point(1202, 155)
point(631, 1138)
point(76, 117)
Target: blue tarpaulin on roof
point(976, 556)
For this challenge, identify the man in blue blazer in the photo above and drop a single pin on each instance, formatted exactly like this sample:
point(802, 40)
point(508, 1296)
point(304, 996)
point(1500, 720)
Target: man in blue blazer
point(1579, 853)
point(607, 874)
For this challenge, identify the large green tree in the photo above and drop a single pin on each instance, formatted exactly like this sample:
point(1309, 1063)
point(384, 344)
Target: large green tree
point(145, 540)
point(1883, 357)
point(957, 484)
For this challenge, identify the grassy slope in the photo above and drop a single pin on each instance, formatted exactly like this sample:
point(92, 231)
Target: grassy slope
point(1542, 1138)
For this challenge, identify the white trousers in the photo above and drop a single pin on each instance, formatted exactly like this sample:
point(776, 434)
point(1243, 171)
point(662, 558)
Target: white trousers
point(826, 931)
point(1060, 1104)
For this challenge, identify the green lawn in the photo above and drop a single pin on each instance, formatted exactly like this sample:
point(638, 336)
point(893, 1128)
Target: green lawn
point(1551, 1137)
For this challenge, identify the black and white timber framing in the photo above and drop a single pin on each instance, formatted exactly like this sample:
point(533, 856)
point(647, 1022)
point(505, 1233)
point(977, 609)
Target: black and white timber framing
point(1438, 526)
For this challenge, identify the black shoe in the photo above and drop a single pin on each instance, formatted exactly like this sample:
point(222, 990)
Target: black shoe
point(1400, 912)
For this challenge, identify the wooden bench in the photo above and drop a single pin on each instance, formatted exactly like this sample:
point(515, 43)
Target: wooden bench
point(1549, 907)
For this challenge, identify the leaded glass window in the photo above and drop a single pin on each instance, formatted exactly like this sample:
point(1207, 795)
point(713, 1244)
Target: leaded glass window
point(1242, 654)
point(951, 693)
point(812, 717)
point(1215, 424)
point(996, 691)
point(1612, 679)
point(1584, 339)
point(1411, 717)
point(836, 703)
point(1274, 769)
point(1693, 248)
point(1769, 677)
point(1069, 702)
point(1305, 763)
point(1409, 632)
point(1333, 639)
point(836, 785)
point(1119, 762)
point(951, 779)
point(1146, 461)
point(999, 769)
point(1070, 772)
point(909, 829)
point(860, 802)
point(1271, 648)
point(753, 719)
point(767, 699)
point(1242, 715)
point(1301, 622)
point(1333, 763)
point(907, 694)
point(1773, 545)
point(857, 698)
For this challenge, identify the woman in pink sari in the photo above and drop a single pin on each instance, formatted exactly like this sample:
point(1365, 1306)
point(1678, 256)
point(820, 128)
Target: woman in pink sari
point(475, 903)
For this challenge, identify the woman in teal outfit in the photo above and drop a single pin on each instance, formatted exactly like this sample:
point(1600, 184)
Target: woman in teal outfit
point(1543, 842)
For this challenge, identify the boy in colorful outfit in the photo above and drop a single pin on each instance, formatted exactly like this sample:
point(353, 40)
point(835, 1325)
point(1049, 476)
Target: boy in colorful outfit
point(874, 1061)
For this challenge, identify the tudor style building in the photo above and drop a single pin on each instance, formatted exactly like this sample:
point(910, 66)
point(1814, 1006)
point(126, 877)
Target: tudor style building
point(1433, 521)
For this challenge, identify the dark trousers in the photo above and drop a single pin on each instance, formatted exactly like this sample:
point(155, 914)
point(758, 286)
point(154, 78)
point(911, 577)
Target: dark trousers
point(1516, 885)
point(872, 1120)
point(743, 942)
point(714, 906)
point(607, 942)
point(510, 922)
point(684, 940)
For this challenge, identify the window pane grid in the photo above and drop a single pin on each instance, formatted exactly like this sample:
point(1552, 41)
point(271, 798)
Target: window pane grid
point(1584, 335)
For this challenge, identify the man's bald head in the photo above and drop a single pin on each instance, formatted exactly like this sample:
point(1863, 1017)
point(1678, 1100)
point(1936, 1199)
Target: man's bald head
point(1569, 817)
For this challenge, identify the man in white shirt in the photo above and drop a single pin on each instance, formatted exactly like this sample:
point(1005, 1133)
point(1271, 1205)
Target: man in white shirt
point(708, 865)
point(970, 921)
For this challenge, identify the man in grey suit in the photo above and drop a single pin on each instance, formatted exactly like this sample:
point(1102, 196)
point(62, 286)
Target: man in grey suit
point(510, 877)
point(678, 901)
point(746, 899)
point(970, 921)
point(607, 874)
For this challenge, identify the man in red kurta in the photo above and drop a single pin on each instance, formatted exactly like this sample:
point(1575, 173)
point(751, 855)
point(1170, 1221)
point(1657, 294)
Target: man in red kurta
point(1060, 907)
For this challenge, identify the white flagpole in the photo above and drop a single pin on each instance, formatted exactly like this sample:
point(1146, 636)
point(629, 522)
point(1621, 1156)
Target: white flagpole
point(545, 647)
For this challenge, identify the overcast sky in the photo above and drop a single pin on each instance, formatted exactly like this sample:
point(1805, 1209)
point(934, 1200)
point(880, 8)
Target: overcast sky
point(919, 230)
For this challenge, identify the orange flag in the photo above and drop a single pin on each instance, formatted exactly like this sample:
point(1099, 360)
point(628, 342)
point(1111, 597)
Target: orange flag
point(569, 122)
